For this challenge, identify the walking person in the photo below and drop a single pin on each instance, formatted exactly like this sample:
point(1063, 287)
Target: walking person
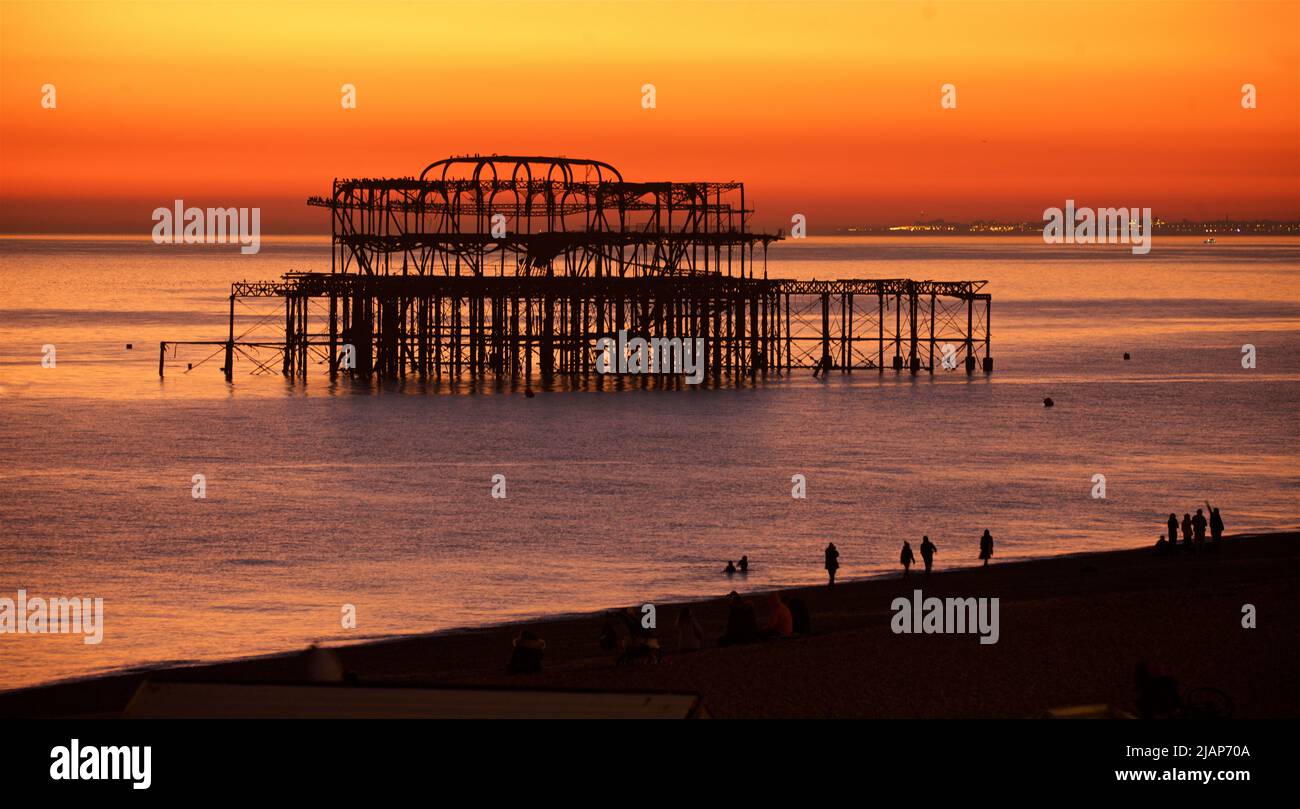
point(986, 547)
point(823, 366)
point(906, 558)
point(832, 562)
point(927, 554)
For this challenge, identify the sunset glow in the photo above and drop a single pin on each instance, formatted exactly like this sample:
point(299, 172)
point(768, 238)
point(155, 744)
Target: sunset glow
point(831, 110)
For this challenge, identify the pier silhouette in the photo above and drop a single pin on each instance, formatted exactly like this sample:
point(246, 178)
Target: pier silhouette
point(515, 267)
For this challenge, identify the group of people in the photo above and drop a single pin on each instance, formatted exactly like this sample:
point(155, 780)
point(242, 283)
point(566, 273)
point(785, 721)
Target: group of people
point(1193, 528)
point(783, 621)
point(907, 558)
point(732, 568)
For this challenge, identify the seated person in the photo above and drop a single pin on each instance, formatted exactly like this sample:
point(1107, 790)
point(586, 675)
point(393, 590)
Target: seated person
point(801, 619)
point(690, 637)
point(780, 623)
point(742, 621)
point(527, 655)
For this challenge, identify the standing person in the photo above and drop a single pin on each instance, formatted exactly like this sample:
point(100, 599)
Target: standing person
point(832, 562)
point(906, 558)
point(986, 547)
point(1216, 522)
point(1187, 531)
point(927, 554)
point(1198, 527)
point(1173, 530)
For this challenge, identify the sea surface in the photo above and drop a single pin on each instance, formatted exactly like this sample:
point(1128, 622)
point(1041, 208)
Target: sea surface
point(324, 495)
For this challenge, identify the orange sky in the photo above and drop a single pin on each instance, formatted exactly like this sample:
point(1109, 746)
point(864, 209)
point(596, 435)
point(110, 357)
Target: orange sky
point(830, 110)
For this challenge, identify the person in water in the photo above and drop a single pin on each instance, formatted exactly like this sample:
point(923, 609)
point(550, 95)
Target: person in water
point(1173, 530)
point(1216, 522)
point(986, 547)
point(824, 365)
point(906, 558)
point(928, 550)
point(744, 565)
point(832, 562)
point(730, 569)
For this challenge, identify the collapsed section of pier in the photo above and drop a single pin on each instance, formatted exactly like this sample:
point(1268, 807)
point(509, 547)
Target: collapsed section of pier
point(517, 267)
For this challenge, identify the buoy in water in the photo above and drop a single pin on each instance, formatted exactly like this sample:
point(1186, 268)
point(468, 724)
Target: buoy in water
point(1048, 402)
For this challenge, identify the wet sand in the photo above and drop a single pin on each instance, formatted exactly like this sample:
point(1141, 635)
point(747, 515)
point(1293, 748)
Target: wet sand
point(1072, 630)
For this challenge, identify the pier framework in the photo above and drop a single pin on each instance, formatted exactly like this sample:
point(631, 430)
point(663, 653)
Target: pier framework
point(515, 267)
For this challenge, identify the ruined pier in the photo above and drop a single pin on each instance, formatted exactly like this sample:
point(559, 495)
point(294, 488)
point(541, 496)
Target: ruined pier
point(516, 267)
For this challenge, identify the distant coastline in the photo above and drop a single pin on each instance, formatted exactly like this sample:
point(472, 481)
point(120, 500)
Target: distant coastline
point(940, 227)
point(922, 229)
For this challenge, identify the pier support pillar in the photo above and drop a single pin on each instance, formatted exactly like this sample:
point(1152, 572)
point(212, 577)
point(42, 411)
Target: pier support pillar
point(230, 345)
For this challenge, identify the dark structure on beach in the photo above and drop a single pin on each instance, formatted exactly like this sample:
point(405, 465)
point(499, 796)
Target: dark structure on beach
point(514, 267)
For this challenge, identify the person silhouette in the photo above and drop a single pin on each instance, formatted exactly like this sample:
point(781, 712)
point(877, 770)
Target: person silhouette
point(730, 569)
point(906, 558)
point(742, 621)
point(690, 637)
point(800, 617)
point(1216, 522)
point(744, 565)
point(1198, 527)
point(1173, 530)
point(780, 621)
point(832, 562)
point(824, 365)
point(986, 547)
point(1187, 531)
point(928, 550)
point(526, 654)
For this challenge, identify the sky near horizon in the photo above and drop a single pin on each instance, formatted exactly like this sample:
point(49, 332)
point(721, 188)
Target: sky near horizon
point(832, 110)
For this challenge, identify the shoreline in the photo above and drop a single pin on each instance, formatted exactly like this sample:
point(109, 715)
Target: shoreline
point(146, 669)
point(1073, 628)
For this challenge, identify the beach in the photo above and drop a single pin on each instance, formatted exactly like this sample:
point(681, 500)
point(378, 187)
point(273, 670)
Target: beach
point(1072, 631)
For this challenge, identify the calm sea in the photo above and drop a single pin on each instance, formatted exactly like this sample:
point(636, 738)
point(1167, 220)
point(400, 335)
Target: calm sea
point(324, 495)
